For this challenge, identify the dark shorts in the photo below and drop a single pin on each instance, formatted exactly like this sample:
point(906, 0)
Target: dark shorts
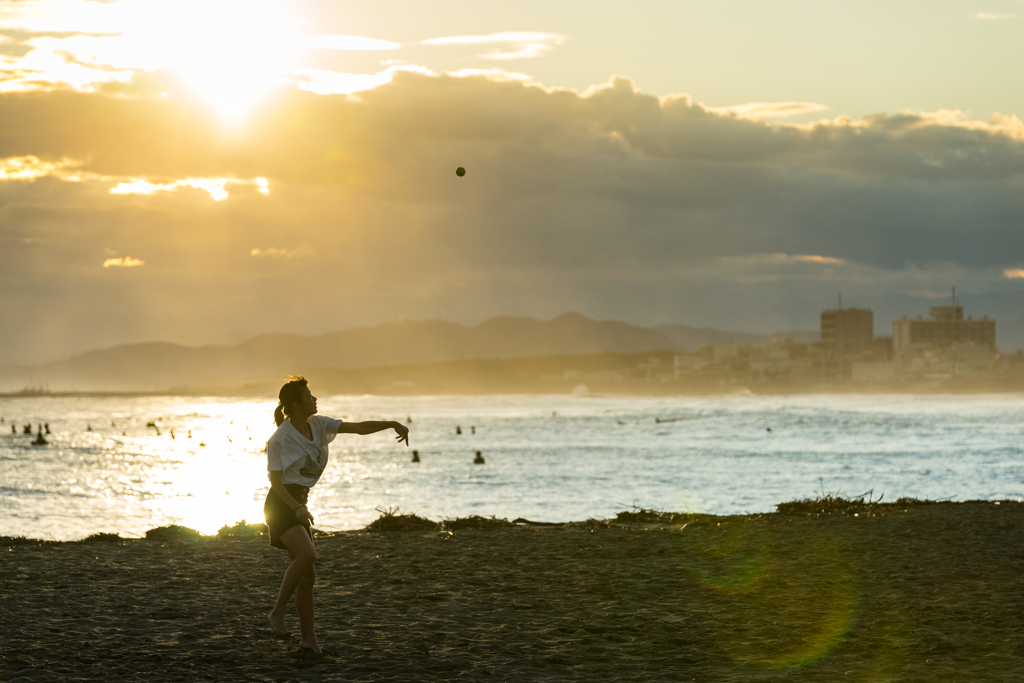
point(280, 517)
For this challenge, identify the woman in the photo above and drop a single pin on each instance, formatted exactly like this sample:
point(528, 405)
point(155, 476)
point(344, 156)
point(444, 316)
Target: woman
point(296, 457)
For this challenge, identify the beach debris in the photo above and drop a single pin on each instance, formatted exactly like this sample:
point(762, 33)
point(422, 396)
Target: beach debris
point(458, 429)
point(479, 459)
point(862, 505)
point(768, 429)
point(22, 540)
point(476, 522)
point(88, 427)
point(520, 520)
point(102, 537)
point(591, 524)
point(392, 519)
point(641, 515)
point(242, 530)
point(173, 532)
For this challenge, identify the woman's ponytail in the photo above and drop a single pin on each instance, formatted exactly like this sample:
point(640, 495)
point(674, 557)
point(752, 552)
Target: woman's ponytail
point(290, 394)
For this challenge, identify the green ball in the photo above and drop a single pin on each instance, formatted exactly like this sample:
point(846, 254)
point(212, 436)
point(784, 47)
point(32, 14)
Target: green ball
point(460, 171)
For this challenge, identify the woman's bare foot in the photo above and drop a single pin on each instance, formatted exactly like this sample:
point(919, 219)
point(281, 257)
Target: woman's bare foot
point(312, 646)
point(277, 625)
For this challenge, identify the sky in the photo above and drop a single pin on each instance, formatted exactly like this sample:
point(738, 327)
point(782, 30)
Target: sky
point(201, 171)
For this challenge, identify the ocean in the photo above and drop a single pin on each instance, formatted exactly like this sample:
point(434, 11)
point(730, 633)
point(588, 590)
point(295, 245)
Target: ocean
point(202, 464)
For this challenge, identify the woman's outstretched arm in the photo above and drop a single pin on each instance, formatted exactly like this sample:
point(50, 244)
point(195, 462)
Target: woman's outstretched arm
point(374, 426)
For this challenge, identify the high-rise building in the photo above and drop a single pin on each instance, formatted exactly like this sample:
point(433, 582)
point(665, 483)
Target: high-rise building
point(945, 327)
point(847, 330)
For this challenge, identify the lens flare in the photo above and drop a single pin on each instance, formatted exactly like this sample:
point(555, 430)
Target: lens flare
point(779, 607)
point(738, 561)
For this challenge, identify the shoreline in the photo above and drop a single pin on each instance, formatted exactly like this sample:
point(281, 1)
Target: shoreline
point(927, 592)
point(921, 389)
point(388, 522)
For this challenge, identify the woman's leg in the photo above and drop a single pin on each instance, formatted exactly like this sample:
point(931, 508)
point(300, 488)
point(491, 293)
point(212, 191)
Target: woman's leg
point(304, 605)
point(299, 575)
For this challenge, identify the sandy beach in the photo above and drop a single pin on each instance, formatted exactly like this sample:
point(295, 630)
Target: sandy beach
point(922, 593)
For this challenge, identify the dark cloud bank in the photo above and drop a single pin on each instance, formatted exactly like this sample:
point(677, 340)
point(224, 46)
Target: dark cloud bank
point(612, 202)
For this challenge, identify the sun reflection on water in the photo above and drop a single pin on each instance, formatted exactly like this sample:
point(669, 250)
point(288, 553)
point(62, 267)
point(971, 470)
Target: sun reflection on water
point(199, 462)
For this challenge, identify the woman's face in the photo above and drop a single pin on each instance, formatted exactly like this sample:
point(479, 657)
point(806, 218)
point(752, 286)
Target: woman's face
point(307, 401)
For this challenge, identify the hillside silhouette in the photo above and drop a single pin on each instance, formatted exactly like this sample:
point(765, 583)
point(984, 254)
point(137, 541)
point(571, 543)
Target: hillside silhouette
point(157, 366)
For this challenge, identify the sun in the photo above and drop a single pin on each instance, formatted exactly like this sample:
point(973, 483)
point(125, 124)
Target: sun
point(230, 53)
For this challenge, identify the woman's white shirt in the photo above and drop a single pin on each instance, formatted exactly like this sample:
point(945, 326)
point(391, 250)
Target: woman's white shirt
point(300, 460)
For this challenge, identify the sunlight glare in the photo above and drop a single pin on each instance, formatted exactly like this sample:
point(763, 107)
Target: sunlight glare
point(231, 53)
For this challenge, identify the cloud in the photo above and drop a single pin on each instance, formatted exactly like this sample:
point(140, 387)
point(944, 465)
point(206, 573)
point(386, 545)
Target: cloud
point(30, 167)
point(767, 110)
point(1014, 273)
point(123, 262)
point(807, 258)
point(60, 60)
point(409, 103)
point(339, 42)
point(995, 16)
point(774, 266)
point(783, 259)
point(215, 187)
point(272, 252)
point(303, 251)
point(324, 82)
point(523, 44)
point(611, 201)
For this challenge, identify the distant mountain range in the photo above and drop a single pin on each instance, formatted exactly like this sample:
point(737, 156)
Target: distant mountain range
point(159, 366)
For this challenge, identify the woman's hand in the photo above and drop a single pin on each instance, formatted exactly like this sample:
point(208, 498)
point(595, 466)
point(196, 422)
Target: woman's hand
point(403, 433)
point(304, 516)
